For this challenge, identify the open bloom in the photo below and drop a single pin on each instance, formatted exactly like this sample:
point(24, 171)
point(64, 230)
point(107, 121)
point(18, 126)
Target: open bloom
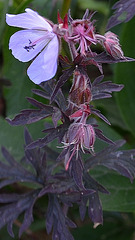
point(37, 41)
point(83, 35)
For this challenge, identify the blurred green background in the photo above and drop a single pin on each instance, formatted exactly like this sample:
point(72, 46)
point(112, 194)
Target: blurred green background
point(119, 206)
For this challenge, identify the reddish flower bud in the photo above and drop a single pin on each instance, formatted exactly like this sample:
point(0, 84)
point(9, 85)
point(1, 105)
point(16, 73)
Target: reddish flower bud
point(81, 114)
point(81, 136)
point(111, 44)
point(63, 23)
point(89, 137)
point(80, 92)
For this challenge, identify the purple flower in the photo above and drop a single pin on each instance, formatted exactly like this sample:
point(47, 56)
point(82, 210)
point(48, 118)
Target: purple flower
point(82, 34)
point(37, 41)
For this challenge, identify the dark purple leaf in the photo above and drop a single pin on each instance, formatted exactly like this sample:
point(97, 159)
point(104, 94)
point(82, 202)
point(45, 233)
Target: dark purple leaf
point(11, 211)
point(63, 78)
point(55, 218)
point(48, 86)
point(99, 134)
point(62, 154)
point(49, 215)
point(70, 223)
point(37, 104)
point(35, 157)
point(41, 93)
point(91, 183)
point(99, 114)
point(97, 80)
point(95, 160)
point(121, 161)
point(14, 171)
point(103, 89)
point(83, 208)
point(9, 158)
point(58, 186)
point(64, 62)
point(95, 209)
point(122, 170)
point(28, 216)
point(101, 96)
point(105, 58)
point(30, 116)
point(51, 155)
point(71, 197)
point(76, 171)
point(10, 228)
point(124, 11)
point(9, 198)
point(56, 116)
point(59, 99)
point(54, 133)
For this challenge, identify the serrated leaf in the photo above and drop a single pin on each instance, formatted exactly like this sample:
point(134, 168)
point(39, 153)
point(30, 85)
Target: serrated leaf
point(104, 89)
point(76, 171)
point(124, 11)
point(63, 78)
point(121, 161)
point(53, 133)
point(30, 116)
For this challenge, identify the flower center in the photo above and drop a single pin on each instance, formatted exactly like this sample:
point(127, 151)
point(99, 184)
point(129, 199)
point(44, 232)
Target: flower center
point(30, 46)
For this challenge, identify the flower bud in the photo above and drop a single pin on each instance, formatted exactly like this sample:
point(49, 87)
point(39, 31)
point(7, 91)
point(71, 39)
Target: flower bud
point(112, 46)
point(89, 137)
point(80, 92)
point(80, 136)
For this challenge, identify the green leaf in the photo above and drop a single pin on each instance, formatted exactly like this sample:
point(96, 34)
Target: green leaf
point(122, 192)
point(3, 9)
point(13, 137)
point(125, 74)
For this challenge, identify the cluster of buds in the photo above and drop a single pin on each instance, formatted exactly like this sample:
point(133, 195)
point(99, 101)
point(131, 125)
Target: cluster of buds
point(81, 33)
point(80, 135)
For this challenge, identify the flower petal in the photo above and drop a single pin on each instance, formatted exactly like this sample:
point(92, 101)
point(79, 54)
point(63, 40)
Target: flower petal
point(44, 66)
point(29, 20)
point(26, 44)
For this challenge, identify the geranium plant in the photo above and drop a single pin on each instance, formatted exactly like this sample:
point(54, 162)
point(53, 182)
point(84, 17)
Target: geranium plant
point(65, 175)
